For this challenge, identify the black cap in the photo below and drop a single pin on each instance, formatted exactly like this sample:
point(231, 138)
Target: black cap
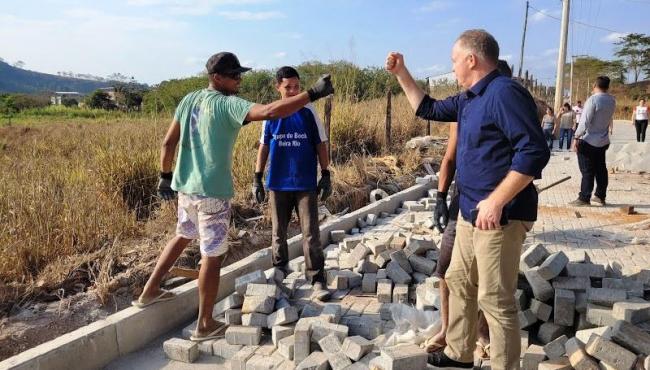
point(224, 63)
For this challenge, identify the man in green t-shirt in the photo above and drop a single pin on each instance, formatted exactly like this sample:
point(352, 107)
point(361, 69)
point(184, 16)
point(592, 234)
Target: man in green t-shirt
point(206, 125)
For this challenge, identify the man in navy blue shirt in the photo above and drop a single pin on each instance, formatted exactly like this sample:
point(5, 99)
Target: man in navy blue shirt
point(295, 145)
point(501, 149)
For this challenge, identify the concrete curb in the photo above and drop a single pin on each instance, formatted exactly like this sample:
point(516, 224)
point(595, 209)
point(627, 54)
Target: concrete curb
point(96, 345)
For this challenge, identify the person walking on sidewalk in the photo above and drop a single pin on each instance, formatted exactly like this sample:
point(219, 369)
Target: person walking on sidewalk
point(206, 125)
point(501, 149)
point(566, 120)
point(577, 109)
point(293, 145)
point(640, 119)
point(592, 141)
point(548, 127)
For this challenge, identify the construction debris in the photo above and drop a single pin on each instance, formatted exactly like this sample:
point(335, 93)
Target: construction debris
point(573, 314)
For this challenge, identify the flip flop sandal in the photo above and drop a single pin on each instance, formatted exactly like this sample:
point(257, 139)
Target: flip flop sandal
point(431, 346)
point(434, 347)
point(166, 295)
point(483, 351)
point(215, 334)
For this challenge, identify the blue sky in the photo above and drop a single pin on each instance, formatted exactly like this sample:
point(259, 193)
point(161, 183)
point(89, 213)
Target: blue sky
point(154, 40)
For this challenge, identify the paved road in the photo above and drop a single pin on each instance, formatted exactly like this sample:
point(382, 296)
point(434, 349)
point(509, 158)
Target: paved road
point(600, 232)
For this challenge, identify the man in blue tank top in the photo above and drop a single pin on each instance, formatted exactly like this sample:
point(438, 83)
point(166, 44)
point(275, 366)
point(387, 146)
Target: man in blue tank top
point(295, 145)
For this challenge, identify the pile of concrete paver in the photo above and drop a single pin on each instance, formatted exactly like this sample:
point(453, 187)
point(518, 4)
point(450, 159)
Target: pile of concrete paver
point(582, 315)
point(277, 322)
point(573, 314)
point(630, 157)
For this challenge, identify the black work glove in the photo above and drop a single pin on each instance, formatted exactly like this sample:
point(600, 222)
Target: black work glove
point(258, 188)
point(441, 212)
point(165, 190)
point(321, 88)
point(324, 185)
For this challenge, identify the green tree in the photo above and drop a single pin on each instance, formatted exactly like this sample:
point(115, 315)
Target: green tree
point(258, 86)
point(128, 96)
point(100, 100)
point(635, 51)
point(8, 106)
point(69, 102)
point(586, 69)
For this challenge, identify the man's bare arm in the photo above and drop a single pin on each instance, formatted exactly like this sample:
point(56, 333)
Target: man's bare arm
point(395, 65)
point(448, 164)
point(323, 155)
point(169, 146)
point(262, 156)
point(277, 109)
point(491, 208)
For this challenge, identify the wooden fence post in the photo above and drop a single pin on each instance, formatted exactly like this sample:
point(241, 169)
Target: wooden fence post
point(388, 122)
point(328, 121)
point(428, 91)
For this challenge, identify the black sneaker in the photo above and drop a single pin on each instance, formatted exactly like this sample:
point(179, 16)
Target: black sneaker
point(598, 200)
point(440, 360)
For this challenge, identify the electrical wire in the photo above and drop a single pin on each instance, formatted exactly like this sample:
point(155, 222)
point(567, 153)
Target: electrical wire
point(574, 21)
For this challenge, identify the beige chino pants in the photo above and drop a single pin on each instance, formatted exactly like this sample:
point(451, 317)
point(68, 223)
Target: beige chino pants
point(483, 274)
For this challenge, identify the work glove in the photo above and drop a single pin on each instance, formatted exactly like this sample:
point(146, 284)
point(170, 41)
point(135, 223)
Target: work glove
point(321, 88)
point(441, 212)
point(165, 190)
point(324, 185)
point(258, 188)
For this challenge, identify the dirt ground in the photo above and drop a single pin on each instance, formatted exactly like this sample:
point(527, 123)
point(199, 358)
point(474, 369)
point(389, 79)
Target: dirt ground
point(38, 322)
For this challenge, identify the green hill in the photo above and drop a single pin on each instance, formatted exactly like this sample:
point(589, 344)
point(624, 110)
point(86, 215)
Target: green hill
point(16, 80)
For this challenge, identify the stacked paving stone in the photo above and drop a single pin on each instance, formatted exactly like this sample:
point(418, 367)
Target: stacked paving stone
point(576, 314)
point(275, 321)
point(573, 314)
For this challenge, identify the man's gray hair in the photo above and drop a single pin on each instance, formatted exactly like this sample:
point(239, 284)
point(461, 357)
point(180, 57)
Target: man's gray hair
point(481, 43)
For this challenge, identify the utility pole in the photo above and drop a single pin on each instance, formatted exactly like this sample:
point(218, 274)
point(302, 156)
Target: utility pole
point(523, 41)
point(561, 58)
point(571, 83)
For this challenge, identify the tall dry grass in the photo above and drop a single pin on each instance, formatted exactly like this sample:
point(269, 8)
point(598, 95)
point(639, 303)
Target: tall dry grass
point(75, 189)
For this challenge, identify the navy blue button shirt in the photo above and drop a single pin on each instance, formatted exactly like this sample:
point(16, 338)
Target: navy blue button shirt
point(498, 132)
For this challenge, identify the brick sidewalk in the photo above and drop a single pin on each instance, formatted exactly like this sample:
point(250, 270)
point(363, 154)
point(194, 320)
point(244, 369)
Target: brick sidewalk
point(599, 231)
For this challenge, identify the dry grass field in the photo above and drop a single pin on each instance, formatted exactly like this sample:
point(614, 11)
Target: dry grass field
point(78, 204)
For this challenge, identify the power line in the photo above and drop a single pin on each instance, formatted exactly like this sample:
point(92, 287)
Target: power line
point(645, 2)
point(574, 21)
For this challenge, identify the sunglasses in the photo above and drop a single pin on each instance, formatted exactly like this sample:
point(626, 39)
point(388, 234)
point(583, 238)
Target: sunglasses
point(232, 76)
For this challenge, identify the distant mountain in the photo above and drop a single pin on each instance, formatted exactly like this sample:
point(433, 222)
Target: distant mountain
point(16, 80)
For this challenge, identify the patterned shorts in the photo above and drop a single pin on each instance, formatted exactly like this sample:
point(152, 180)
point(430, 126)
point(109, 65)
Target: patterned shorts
point(206, 219)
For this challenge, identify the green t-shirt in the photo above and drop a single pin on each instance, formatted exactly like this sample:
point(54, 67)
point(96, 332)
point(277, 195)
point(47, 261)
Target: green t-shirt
point(210, 123)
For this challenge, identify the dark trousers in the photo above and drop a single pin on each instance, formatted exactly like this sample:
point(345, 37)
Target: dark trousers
point(306, 205)
point(566, 133)
point(548, 135)
point(641, 126)
point(591, 161)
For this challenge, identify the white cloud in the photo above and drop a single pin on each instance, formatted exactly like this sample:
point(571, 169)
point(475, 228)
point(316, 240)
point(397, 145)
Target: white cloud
point(65, 38)
point(251, 16)
point(280, 54)
point(194, 61)
point(191, 7)
point(549, 52)
point(506, 57)
point(435, 5)
point(91, 18)
point(291, 35)
point(613, 37)
point(435, 68)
